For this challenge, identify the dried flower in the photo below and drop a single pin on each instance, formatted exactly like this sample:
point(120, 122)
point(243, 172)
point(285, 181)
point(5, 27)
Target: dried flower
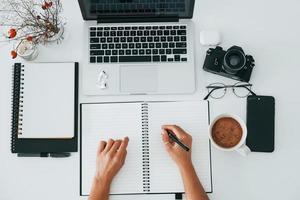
point(12, 33)
point(29, 38)
point(13, 54)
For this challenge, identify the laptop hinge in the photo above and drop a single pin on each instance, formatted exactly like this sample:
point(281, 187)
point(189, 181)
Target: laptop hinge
point(136, 19)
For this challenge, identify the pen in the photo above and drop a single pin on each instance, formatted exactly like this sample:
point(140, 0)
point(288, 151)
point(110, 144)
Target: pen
point(175, 139)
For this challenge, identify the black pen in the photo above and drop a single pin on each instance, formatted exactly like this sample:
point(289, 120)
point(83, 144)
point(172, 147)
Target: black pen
point(175, 139)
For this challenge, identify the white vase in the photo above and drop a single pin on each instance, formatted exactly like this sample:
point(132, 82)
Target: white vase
point(27, 50)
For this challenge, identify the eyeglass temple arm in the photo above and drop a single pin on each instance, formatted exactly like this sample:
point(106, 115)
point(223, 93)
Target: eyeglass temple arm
point(250, 91)
point(206, 97)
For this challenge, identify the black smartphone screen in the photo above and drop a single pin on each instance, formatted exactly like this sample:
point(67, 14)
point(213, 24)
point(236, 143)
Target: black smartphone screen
point(260, 123)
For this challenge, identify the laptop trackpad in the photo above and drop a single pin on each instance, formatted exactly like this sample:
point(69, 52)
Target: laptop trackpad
point(138, 78)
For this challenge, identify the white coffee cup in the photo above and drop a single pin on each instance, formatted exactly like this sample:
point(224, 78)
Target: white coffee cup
point(241, 147)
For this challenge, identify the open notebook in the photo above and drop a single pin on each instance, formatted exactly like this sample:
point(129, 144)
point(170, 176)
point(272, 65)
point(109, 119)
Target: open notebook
point(142, 122)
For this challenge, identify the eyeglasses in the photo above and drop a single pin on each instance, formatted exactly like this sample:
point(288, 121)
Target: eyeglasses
point(218, 90)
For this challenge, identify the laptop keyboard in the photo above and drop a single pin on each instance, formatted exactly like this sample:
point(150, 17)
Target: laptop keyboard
point(138, 44)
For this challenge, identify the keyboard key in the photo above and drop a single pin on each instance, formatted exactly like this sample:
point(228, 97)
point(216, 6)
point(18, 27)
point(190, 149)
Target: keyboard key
point(93, 34)
point(127, 28)
point(121, 52)
point(126, 33)
point(180, 44)
point(129, 39)
point(109, 40)
point(106, 33)
point(123, 39)
point(183, 38)
point(172, 45)
point(176, 39)
point(135, 59)
point(95, 46)
point(111, 46)
point(155, 27)
point(173, 32)
point(106, 59)
point(168, 51)
point(133, 33)
point(141, 51)
point(156, 39)
point(114, 59)
point(134, 28)
point(148, 27)
point(170, 59)
point(116, 39)
point(154, 51)
point(143, 39)
point(182, 27)
point(165, 45)
point(183, 59)
point(169, 27)
point(138, 45)
point(141, 27)
point(145, 45)
point(108, 52)
point(118, 46)
point(162, 27)
point(113, 28)
point(149, 39)
point(106, 28)
point(156, 58)
point(103, 40)
point(120, 28)
point(96, 53)
point(159, 32)
point(177, 58)
point(162, 51)
point(181, 32)
point(99, 34)
point(175, 27)
point(140, 33)
point(151, 45)
point(113, 33)
point(179, 51)
point(158, 45)
point(170, 39)
point(99, 28)
point(148, 51)
point(94, 40)
point(163, 58)
point(104, 46)
point(99, 59)
point(136, 39)
point(124, 46)
point(146, 33)
point(134, 52)
point(166, 32)
point(119, 33)
point(153, 33)
point(128, 52)
point(114, 52)
point(92, 28)
point(163, 39)
point(92, 59)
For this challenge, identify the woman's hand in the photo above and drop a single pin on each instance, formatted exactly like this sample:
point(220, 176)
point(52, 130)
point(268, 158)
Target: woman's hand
point(181, 157)
point(110, 158)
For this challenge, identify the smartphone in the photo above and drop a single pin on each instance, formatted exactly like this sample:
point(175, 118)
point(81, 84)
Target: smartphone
point(260, 123)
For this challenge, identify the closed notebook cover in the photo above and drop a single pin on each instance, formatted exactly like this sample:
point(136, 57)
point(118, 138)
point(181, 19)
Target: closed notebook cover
point(45, 107)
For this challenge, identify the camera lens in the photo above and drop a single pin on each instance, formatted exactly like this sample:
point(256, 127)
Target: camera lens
point(234, 60)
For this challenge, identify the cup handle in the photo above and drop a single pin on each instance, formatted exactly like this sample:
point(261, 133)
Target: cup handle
point(243, 150)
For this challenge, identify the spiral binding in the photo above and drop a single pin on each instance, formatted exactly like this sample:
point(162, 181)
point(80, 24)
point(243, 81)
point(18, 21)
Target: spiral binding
point(17, 103)
point(145, 147)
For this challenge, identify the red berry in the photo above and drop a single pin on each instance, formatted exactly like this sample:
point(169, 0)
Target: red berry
point(13, 54)
point(29, 38)
point(12, 33)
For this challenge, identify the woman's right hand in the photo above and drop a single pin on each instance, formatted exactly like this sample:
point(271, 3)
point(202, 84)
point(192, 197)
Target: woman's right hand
point(181, 157)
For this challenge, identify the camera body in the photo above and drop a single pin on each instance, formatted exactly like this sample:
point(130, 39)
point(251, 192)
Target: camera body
point(232, 63)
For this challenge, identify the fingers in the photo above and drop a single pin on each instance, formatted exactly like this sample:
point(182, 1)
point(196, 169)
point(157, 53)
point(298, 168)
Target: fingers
point(179, 132)
point(115, 146)
point(109, 144)
point(101, 146)
point(123, 145)
point(166, 139)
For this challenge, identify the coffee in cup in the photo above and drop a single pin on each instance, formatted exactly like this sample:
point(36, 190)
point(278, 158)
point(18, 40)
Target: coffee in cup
point(228, 133)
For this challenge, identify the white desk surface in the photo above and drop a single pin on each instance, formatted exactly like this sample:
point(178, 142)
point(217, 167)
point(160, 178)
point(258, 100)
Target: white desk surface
point(269, 30)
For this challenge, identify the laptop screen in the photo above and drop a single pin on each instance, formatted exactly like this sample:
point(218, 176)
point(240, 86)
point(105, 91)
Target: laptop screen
point(97, 9)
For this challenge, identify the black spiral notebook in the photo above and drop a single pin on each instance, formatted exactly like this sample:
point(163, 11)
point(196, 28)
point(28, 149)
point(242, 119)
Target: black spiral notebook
point(44, 108)
point(148, 168)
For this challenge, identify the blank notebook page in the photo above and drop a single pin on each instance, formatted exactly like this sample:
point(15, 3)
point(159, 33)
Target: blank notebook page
point(104, 121)
point(193, 118)
point(49, 100)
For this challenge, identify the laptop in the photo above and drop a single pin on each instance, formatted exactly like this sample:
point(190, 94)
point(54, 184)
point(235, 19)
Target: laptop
point(142, 47)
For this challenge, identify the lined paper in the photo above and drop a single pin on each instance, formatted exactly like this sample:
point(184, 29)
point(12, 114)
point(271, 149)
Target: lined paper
point(104, 121)
point(193, 118)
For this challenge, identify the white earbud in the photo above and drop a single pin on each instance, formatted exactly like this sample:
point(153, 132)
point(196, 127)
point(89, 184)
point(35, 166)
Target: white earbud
point(102, 80)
